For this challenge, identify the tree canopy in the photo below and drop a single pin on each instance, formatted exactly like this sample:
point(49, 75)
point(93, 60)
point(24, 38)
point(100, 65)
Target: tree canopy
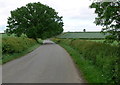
point(108, 17)
point(35, 20)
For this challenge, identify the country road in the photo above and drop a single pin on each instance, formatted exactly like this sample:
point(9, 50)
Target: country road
point(49, 63)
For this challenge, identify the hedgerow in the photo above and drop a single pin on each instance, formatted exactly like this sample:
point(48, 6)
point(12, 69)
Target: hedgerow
point(16, 44)
point(103, 56)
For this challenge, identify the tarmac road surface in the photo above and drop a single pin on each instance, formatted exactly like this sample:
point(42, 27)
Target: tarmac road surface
point(49, 63)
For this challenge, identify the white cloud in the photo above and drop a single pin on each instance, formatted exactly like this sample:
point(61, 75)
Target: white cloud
point(76, 13)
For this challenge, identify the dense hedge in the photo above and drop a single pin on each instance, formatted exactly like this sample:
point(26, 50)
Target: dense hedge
point(0, 46)
point(103, 56)
point(16, 44)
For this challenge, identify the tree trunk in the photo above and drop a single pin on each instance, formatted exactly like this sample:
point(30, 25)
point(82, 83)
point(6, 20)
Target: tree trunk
point(36, 40)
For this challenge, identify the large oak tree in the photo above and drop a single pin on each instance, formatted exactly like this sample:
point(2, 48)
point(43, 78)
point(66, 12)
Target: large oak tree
point(35, 20)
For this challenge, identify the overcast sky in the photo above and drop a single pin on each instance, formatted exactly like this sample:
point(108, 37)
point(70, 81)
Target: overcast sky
point(76, 13)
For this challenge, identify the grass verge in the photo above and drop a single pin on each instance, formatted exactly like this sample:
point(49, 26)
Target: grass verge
point(99, 62)
point(90, 72)
point(9, 57)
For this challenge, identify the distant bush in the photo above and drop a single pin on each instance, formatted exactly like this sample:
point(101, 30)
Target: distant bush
point(16, 44)
point(102, 56)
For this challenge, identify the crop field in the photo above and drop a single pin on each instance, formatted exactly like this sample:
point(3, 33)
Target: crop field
point(89, 36)
point(82, 35)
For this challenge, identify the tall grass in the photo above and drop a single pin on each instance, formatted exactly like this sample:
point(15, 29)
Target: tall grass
point(103, 57)
point(0, 46)
point(14, 47)
point(16, 44)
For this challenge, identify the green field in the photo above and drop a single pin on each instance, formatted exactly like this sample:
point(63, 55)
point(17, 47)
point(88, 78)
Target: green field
point(89, 36)
point(82, 35)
